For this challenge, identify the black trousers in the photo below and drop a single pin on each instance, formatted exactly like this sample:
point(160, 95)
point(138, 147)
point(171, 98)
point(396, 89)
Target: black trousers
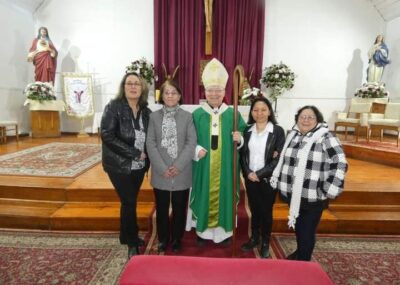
point(261, 201)
point(306, 228)
point(127, 187)
point(176, 228)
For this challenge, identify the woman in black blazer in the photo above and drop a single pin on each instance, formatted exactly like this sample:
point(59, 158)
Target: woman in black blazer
point(123, 134)
point(263, 142)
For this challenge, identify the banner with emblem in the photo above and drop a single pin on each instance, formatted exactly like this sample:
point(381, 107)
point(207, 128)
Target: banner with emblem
point(78, 94)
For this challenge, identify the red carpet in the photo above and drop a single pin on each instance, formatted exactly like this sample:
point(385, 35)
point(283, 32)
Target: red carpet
point(189, 245)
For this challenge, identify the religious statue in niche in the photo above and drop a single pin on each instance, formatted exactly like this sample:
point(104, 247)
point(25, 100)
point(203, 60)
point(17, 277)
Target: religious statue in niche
point(378, 56)
point(43, 54)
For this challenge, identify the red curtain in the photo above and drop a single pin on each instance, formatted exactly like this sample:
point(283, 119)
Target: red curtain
point(238, 38)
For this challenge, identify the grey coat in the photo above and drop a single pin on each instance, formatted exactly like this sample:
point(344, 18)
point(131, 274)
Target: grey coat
point(159, 158)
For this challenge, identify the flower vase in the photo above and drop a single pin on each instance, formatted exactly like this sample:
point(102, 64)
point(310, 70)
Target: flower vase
point(273, 94)
point(152, 95)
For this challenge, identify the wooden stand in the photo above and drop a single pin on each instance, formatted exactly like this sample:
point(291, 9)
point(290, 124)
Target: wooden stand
point(45, 124)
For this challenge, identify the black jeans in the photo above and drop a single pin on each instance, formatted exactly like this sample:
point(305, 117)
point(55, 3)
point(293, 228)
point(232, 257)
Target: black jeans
point(261, 201)
point(179, 206)
point(127, 187)
point(306, 228)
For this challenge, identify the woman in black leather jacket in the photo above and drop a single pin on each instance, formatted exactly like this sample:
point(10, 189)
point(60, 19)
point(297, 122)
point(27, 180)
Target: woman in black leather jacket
point(123, 132)
point(263, 142)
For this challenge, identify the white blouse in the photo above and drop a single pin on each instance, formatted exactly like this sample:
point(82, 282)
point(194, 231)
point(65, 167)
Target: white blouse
point(257, 146)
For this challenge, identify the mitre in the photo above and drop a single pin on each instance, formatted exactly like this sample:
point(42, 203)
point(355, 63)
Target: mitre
point(214, 74)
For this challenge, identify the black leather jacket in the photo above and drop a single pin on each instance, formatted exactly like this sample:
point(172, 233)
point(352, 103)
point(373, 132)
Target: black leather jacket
point(275, 142)
point(118, 137)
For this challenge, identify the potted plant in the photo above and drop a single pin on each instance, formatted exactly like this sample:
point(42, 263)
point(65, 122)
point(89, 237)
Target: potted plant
point(371, 90)
point(40, 91)
point(277, 78)
point(249, 95)
point(144, 68)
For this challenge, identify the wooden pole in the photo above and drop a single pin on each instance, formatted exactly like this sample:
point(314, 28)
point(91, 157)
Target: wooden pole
point(236, 90)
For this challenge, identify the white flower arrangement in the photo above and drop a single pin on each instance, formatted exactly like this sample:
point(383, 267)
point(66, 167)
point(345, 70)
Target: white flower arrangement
point(40, 91)
point(278, 77)
point(250, 94)
point(372, 90)
point(144, 68)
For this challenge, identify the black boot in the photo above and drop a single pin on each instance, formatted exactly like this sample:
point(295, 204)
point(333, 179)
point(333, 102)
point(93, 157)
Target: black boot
point(201, 242)
point(264, 250)
point(226, 242)
point(292, 256)
point(162, 246)
point(251, 243)
point(176, 245)
point(132, 251)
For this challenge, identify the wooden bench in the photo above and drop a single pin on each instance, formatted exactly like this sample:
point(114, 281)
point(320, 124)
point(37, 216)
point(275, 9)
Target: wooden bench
point(8, 126)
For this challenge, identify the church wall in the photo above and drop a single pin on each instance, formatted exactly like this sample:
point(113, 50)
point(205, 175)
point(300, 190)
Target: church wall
point(391, 75)
point(100, 37)
point(17, 33)
point(326, 44)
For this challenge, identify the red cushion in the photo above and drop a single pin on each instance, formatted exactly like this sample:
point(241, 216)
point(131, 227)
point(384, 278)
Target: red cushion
point(157, 270)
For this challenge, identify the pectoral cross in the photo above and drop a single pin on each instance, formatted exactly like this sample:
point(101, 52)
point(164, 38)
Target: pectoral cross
point(208, 12)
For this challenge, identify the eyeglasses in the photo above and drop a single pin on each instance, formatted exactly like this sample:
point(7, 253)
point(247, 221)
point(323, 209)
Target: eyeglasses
point(130, 84)
point(173, 93)
point(308, 118)
point(215, 90)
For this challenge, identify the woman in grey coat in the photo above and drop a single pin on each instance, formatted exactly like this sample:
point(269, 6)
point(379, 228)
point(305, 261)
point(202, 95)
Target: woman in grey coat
point(171, 141)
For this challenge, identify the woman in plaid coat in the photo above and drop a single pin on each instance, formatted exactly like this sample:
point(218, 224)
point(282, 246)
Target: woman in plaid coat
point(310, 171)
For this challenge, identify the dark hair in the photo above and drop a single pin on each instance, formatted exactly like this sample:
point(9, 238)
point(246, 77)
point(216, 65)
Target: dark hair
point(318, 114)
point(172, 83)
point(47, 33)
point(142, 103)
point(271, 117)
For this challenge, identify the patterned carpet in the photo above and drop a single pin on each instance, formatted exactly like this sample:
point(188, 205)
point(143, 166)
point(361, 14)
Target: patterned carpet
point(351, 260)
point(37, 257)
point(60, 258)
point(51, 160)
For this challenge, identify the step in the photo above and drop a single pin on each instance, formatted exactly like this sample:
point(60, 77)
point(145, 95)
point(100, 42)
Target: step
point(104, 195)
point(48, 215)
point(94, 185)
point(96, 216)
point(56, 193)
point(27, 214)
point(371, 155)
point(33, 188)
point(328, 222)
point(367, 219)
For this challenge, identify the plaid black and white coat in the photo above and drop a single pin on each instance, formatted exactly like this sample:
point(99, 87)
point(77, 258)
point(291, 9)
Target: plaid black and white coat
point(325, 169)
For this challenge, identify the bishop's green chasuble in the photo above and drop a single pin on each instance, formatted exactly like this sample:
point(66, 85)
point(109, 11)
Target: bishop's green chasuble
point(211, 196)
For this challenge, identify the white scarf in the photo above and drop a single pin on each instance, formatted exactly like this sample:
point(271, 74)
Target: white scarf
point(299, 172)
point(169, 136)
